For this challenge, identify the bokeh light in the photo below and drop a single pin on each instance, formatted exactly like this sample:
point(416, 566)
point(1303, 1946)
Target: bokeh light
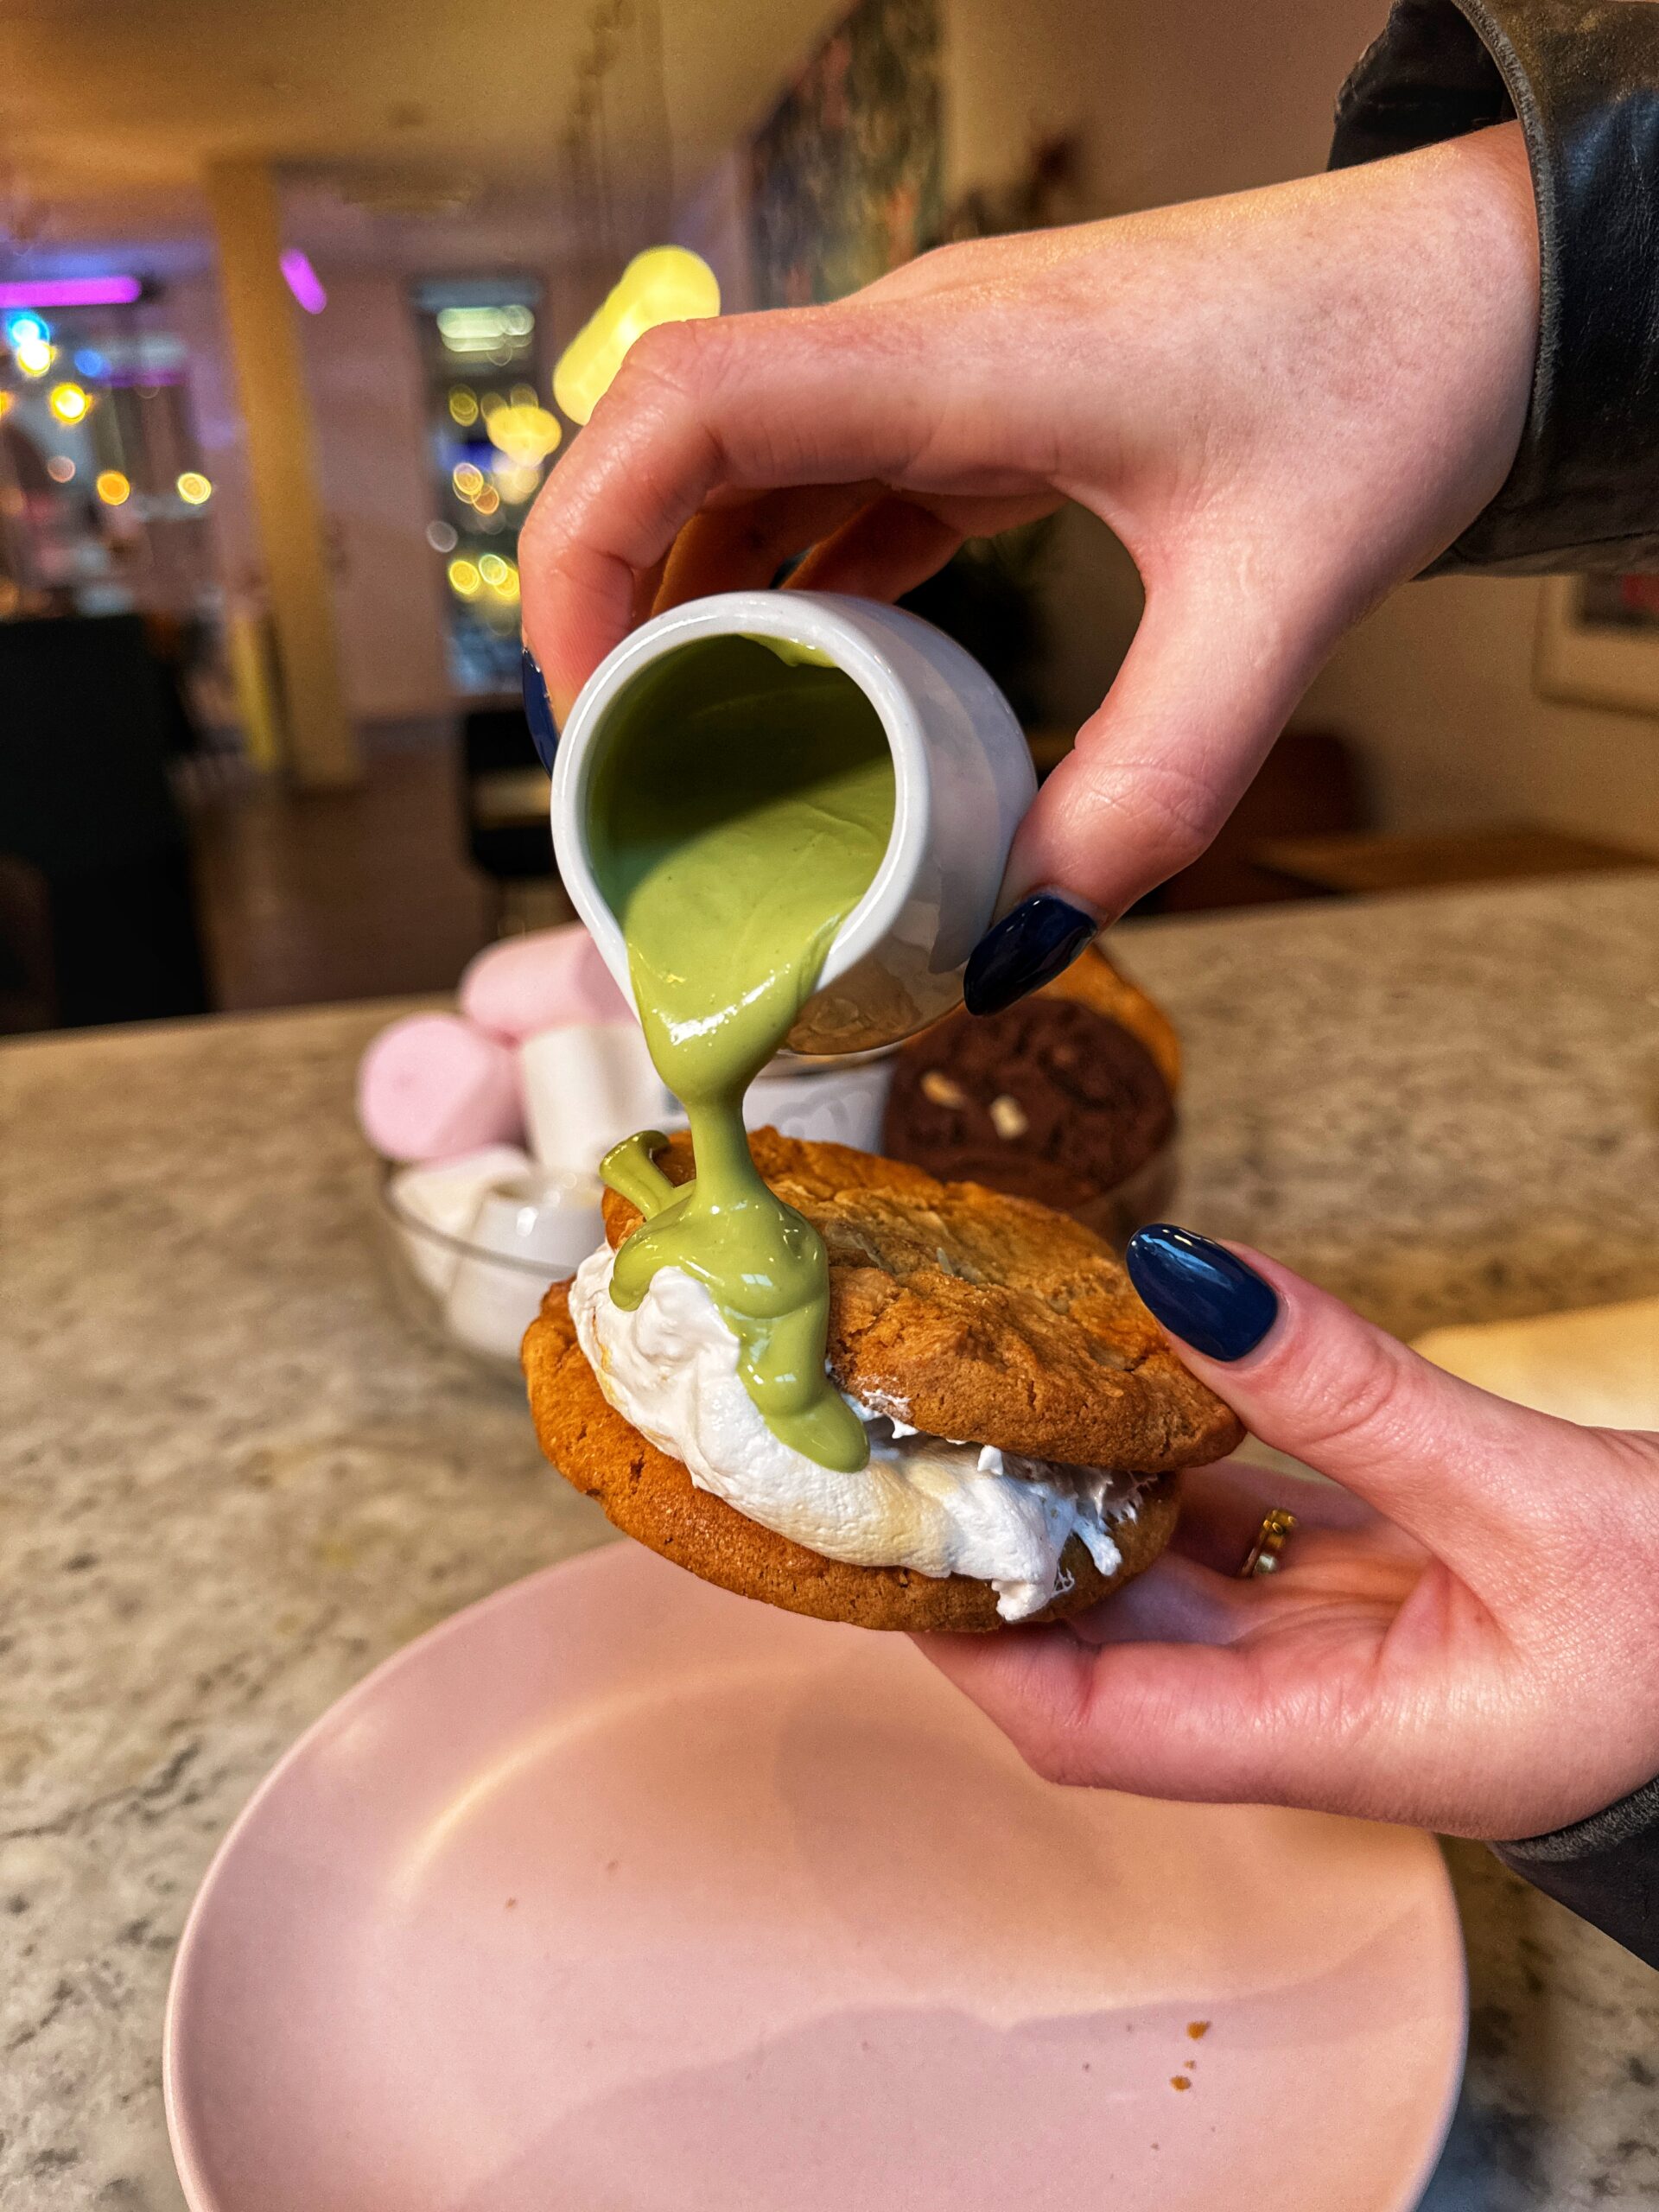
point(467, 480)
point(194, 488)
point(61, 468)
point(463, 406)
point(34, 358)
point(525, 435)
point(516, 483)
point(112, 487)
point(70, 402)
point(441, 537)
point(488, 331)
point(464, 578)
point(488, 500)
point(666, 283)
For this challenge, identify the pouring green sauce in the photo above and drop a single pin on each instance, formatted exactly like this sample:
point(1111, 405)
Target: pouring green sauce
point(739, 810)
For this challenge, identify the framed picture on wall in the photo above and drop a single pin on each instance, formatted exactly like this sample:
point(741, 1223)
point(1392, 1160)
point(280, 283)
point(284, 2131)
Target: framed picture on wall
point(1597, 641)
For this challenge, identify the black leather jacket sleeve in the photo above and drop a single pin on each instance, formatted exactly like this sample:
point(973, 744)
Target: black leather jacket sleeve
point(1605, 1869)
point(1582, 76)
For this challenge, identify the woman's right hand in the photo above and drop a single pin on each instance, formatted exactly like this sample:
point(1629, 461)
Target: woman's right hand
point(1460, 1634)
point(1283, 403)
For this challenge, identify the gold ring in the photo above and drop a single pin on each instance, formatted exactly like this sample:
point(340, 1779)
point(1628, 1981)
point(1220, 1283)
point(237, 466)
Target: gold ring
point(1277, 1529)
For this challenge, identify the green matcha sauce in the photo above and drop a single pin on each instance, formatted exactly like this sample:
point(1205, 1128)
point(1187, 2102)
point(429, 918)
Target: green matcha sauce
point(740, 808)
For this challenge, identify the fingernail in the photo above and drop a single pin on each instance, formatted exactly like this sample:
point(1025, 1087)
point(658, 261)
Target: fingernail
point(538, 708)
point(1040, 938)
point(1200, 1291)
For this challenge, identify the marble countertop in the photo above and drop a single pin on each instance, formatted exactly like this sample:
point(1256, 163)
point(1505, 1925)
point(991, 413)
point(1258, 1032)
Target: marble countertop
point(232, 1481)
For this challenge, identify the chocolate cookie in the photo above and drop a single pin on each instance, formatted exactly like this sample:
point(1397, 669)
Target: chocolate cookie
point(1047, 1100)
point(1095, 981)
point(653, 1499)
point(980, 1317)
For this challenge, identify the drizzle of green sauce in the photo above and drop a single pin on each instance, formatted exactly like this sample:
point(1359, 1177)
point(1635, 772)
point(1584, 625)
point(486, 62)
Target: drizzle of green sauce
point(740, 806)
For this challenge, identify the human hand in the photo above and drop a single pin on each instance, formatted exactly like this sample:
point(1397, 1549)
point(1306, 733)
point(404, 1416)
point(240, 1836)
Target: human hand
point(1284, 403)
point(1461, 1636)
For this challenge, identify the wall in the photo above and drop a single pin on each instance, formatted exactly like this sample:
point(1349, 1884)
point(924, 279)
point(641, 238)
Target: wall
point(363, 377)
point(363, 369)
point(1174, 102)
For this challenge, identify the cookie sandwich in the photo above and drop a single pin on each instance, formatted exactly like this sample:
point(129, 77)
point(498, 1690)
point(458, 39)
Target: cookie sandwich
point(816, 1377)
point(1024, 1420)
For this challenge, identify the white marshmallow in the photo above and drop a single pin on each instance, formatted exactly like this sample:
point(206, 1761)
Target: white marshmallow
point(670, 1368)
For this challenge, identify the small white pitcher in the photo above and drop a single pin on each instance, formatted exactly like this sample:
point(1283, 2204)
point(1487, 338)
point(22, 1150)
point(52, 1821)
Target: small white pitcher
point(962, 780)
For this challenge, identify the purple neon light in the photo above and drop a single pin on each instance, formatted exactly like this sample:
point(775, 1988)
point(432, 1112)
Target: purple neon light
point(72, 292)
point(302, 280)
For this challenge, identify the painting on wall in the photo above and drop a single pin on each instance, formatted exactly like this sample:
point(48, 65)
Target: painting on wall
point(845, 181)
point(1598, 641)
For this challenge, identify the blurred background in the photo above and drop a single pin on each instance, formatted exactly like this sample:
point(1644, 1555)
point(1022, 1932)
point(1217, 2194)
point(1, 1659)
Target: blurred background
point(283, 295)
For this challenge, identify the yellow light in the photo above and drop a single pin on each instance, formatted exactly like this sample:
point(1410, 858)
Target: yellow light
point(525, 394)
point(494, 570)
point(70, 402)
point(463, 406)
point(491, 406)
point(5, 401)
point(112, 487)
point(666, 283)
point(488, 500)
point(33, 356)
point(194, 488)
point(515, 483)
point(464, 578)
point(508, 586)
point(526, 434)
point(467, 480)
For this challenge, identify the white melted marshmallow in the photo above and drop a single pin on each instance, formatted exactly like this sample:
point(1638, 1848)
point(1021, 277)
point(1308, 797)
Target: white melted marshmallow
point(938, 1507)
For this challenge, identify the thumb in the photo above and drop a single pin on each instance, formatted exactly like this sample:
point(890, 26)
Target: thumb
point(1451, 1465)
point(1205, 689)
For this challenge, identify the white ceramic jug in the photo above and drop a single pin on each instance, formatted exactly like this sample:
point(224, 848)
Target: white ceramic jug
point(962, 780)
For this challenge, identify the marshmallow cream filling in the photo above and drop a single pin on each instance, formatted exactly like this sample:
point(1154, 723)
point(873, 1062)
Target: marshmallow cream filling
point(670, 1368)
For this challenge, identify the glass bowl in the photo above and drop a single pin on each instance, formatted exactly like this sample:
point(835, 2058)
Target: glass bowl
point(478, 1292)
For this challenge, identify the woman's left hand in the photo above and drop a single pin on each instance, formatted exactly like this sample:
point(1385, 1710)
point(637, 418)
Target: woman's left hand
point(1461, 1635)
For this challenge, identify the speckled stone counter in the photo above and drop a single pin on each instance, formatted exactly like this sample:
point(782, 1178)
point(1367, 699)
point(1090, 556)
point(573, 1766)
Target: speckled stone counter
point(233, 1482)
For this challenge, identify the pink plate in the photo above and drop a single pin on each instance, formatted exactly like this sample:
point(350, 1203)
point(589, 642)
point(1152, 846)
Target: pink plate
point(617, 1894)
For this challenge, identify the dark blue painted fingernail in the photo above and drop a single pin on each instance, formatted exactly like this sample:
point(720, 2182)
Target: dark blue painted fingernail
point(1029, 948)
point(1201, 1292)
point(538, 708)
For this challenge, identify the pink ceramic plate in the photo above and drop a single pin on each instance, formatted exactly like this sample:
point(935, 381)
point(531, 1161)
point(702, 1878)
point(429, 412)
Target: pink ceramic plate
point(617, 1894)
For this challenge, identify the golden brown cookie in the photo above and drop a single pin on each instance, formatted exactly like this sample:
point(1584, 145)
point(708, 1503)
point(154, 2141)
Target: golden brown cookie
point(980, 1317)
point(653, 1499)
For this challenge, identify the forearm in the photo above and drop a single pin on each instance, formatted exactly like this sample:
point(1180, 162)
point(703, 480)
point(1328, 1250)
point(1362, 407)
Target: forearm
point(1582, 80)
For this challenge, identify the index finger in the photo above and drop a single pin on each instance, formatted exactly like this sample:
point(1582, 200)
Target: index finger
point(813, 395)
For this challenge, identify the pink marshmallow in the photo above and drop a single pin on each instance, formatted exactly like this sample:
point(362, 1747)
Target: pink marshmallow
point(553, 979)
point(433, 1085)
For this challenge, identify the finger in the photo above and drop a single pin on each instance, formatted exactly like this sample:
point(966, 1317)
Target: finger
point(1465, 1473)
point(1203, 692)
point(755, 403)
point(890, 547)
point(1216, 1722)
point(647, 586)
point(740, 547)
point(1222, 1507)
point(1180, 1599)
point(886, 551)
